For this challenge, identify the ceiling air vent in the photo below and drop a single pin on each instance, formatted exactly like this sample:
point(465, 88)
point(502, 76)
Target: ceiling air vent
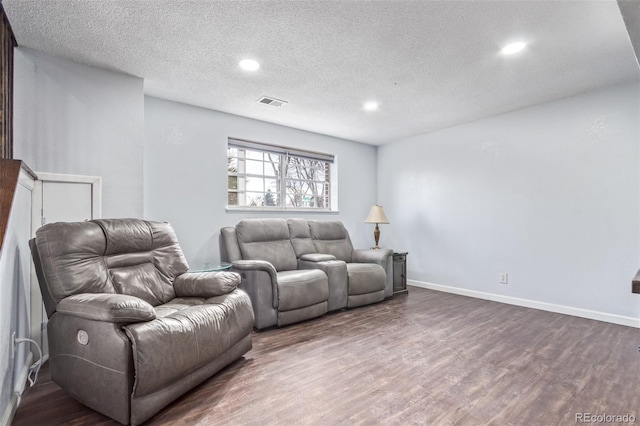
point(272, 102)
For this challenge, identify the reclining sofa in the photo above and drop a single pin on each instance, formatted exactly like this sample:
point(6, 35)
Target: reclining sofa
point(294, 269)
point(130, 330)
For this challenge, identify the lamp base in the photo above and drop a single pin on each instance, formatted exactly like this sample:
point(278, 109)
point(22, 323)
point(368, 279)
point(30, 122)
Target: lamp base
point(376, 236)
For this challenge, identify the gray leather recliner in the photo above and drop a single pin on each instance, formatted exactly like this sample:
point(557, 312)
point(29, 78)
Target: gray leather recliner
point(129, 329)
point(296, 269)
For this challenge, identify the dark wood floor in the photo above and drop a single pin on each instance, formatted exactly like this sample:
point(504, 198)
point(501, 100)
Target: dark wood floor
point(428, 358)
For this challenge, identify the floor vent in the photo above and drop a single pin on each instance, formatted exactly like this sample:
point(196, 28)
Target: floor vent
point(272, 102)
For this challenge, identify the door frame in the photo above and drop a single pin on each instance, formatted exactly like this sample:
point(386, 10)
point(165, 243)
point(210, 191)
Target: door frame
point(96, 194)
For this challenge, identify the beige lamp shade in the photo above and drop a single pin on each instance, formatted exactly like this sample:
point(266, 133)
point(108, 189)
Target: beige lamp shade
point(376, 215)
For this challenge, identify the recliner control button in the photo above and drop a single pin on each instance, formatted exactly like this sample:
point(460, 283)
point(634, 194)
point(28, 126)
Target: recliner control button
point(83, 337)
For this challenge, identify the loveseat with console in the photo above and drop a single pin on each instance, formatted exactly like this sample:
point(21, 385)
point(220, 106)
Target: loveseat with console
point(297, 269)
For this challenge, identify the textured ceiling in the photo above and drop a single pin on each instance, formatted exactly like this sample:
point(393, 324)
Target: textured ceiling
point(430, 64)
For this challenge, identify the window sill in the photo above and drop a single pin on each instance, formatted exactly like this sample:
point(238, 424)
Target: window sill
point(278, 211)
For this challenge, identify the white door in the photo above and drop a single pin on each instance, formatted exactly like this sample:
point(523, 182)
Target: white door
point(66, 201)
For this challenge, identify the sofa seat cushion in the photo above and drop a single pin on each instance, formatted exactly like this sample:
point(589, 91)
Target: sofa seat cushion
point(177, 304)
point(300, 289)
point(365, 278)
point(188, 334)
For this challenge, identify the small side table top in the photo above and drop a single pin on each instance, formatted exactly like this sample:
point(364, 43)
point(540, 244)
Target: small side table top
point(207, 268)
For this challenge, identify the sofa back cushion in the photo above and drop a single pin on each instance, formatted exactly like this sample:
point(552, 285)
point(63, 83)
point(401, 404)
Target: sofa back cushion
point(144, 281)
point(229, 248)
point(331, 238)
point(267, 239)
point(300, 237)
point(70, 255)
point(124, 256)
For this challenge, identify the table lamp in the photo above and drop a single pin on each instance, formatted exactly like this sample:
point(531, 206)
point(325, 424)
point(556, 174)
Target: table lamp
point(376, 215)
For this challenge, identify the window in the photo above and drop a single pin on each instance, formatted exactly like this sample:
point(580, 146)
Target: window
point(274, 177)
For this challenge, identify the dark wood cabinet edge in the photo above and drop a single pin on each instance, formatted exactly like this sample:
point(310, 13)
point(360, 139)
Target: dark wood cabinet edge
point(9, 177)
point(635, 284)
point(7, 24)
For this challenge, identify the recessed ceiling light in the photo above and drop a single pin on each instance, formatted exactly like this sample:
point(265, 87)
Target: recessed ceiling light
point(249, 64)
point(371, 106)
point(512, 48)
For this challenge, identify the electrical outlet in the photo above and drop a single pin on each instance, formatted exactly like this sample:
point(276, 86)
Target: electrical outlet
point(504, 278)
point(13, 344)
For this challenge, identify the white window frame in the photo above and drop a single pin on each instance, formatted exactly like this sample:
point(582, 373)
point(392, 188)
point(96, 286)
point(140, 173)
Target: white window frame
point(285, 153)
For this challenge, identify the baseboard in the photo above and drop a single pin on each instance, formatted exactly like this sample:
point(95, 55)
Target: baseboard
point(527, 303)
point(7, 417)
point(22, 378)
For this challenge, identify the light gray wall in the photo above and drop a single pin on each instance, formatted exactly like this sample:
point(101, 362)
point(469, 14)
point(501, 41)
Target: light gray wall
point(548, 194)
point(185, 174)
point(75, 119)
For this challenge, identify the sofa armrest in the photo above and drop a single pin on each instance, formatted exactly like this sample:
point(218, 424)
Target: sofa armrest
point(256, 265)
point(264, 266)
point(379, 256)
point(115, 308)
point(316, 257)
point(205, 284)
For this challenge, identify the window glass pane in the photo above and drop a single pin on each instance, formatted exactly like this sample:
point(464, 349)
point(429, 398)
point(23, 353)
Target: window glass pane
point(271, 165)
point(302, 168)
point(255, 199)
point(316, 202)
point(271, 185)
point(255, 184)
point(254, 155)
point(232, 165)
point(241, 168)
point(255, 167)
point(232, 182)
point(242, 183)
point(322, 171)
point(294, 199)
point(294, 168)
point(271, 198)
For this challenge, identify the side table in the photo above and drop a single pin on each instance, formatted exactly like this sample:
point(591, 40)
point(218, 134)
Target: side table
point(400, 273)
point(221, 267)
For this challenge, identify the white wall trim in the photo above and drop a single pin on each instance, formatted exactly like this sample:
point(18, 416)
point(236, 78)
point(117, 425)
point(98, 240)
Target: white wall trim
point(10, 412)
point(21, 383)
point(527, 303)
point(26, 180)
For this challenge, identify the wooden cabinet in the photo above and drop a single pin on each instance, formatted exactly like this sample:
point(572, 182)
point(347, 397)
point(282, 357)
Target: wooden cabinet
point(400, 273)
